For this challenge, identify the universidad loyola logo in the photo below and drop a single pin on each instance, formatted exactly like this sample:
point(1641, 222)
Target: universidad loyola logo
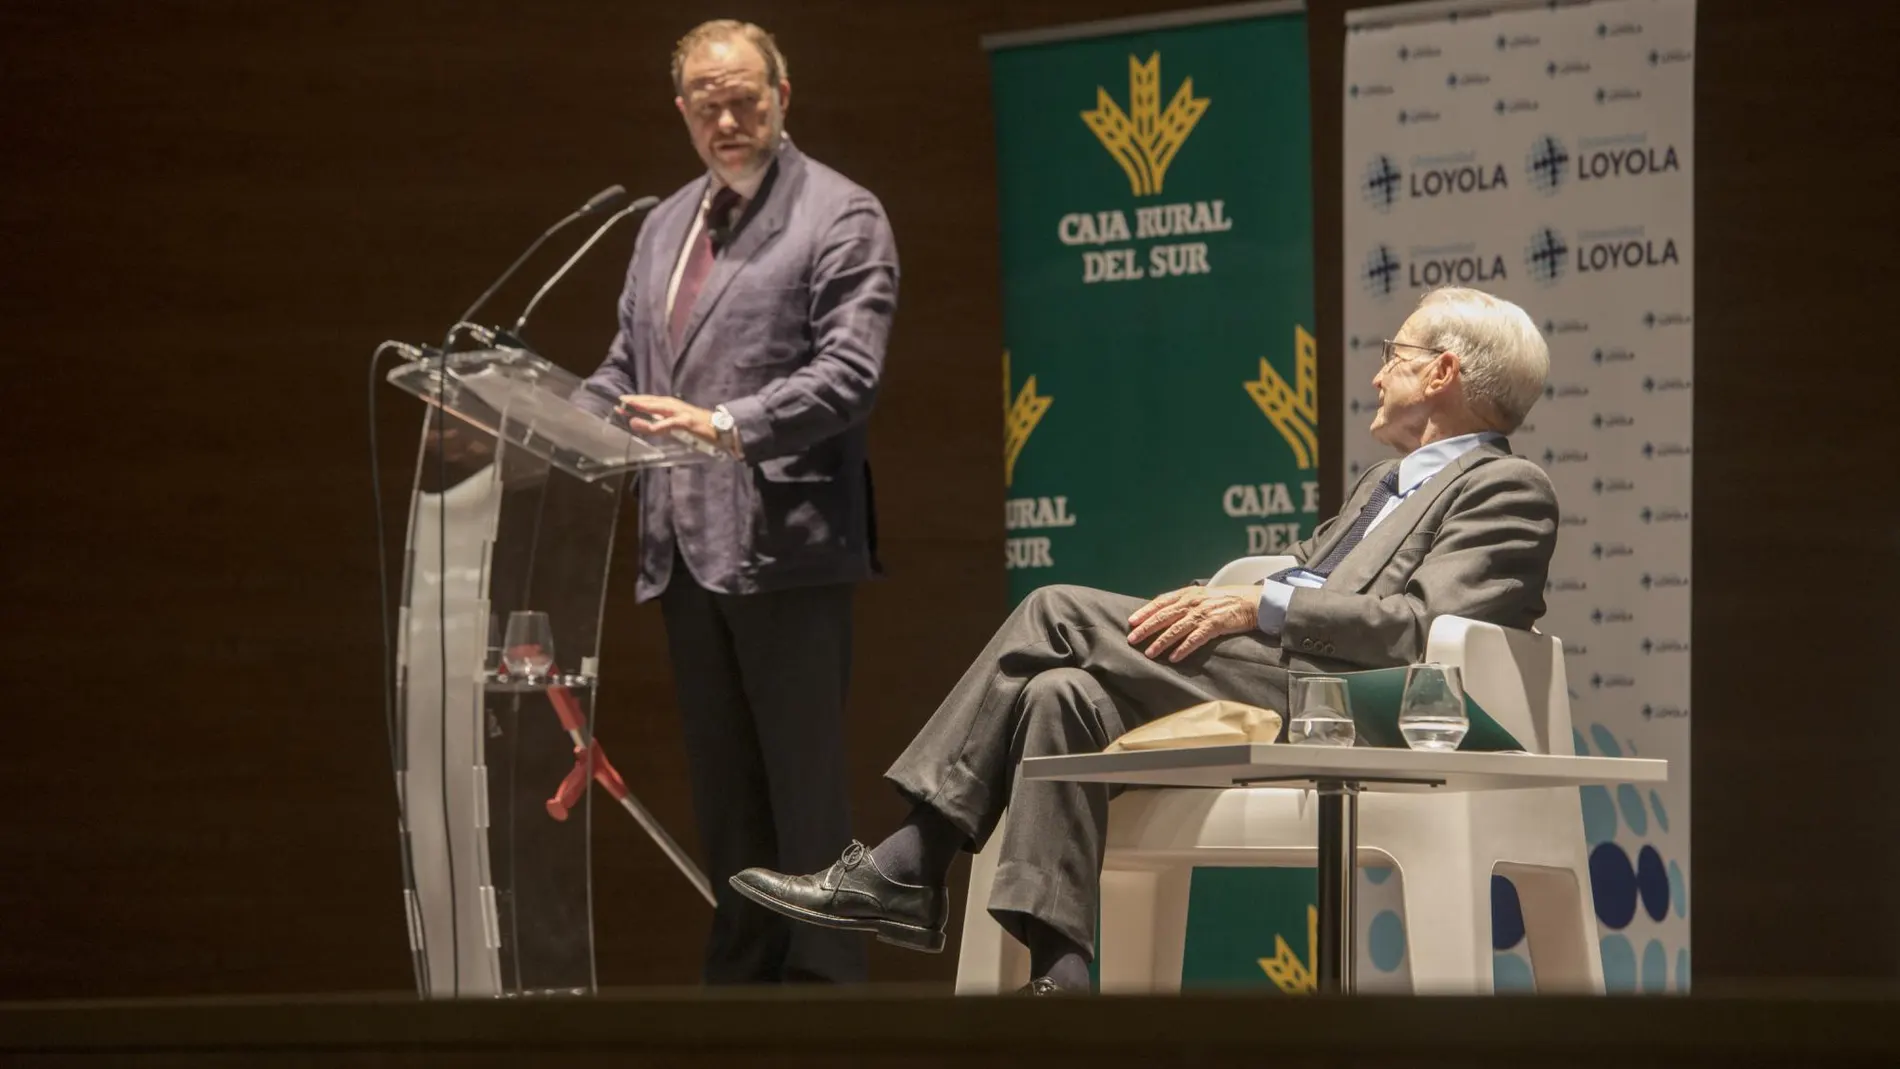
point(1545, 163)
point(1545, 254)
point(1382, 182)
point(1381, 271)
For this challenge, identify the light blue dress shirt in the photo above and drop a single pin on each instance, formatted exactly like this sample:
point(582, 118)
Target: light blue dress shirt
point(1418, 466)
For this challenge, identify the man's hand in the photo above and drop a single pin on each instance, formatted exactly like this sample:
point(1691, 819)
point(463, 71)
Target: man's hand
point(650, 414)
point(1191, 617)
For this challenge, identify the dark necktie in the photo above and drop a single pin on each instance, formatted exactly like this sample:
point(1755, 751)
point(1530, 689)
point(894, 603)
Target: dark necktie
point(1380, 495)
point(699, 262)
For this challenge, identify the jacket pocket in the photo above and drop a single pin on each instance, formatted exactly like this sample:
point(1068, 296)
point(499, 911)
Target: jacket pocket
point(818, 464)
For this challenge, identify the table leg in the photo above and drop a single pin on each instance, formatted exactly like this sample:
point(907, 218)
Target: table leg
point(1338, 855)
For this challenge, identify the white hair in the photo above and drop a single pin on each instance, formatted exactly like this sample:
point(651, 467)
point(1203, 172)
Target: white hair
point(1501, 355)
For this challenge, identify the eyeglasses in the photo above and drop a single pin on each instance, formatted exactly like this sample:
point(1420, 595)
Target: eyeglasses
point(1389, 352)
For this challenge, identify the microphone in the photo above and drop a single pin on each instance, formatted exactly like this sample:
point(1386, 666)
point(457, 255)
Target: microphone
point(594, 204)
point(641, 205)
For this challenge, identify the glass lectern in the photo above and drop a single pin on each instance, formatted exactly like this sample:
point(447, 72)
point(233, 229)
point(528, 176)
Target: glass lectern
point(510, 531)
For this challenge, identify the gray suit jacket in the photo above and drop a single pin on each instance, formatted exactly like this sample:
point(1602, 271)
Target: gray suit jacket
point(788, 333)
point(1475, 540)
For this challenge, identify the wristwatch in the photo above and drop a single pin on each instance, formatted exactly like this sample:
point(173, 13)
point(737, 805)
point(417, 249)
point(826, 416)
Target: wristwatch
point(726, 429)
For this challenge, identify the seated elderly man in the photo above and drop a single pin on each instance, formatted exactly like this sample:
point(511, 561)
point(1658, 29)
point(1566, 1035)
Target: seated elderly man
point(1459, 526)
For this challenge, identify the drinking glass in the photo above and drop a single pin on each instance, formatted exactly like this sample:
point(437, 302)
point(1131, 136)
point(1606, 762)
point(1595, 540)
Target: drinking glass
point(1432, 710)
point(527, 647)
point(1322, 714)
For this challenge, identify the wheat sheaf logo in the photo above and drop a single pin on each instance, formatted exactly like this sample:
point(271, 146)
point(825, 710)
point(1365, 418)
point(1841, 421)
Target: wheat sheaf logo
point(1285, 968)
point(1144, 139)
point(1293, 410)
point(1020, 416)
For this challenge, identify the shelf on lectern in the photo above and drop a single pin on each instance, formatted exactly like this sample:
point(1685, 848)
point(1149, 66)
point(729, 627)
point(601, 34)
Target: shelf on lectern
point(528, 402)
point(498, 683)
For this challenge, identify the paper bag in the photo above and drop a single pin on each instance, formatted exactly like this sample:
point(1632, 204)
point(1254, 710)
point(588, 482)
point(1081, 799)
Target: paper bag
point(1216, 723)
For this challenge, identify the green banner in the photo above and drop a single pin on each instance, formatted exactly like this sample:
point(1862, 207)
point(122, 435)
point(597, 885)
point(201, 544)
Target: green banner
point(1159, 380)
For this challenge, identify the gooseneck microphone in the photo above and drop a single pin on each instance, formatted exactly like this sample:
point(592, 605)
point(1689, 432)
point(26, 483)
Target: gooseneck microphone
point(594, 204)
point(640, 205)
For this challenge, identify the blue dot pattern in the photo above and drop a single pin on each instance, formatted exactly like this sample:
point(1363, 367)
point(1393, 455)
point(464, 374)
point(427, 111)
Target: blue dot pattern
point(1619, 963)
point(1378, 875)
point(1386, 941)
point(1599, 816)
point(1614, 881)
point(1510, 972)
point(1621, 886)
point(1652, 883)
point(1655, 968)
point(1507, 914)
point(1631, 805)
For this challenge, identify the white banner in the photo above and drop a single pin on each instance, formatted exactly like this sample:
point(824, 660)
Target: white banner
point(1544, 153)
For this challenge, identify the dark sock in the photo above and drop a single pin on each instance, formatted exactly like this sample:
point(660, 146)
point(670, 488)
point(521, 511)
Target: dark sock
point(1054, 955)
point(921, 849)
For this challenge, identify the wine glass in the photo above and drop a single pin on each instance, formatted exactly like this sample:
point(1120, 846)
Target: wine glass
point(527, 647)
point(1322, 713)
point(1432, 710)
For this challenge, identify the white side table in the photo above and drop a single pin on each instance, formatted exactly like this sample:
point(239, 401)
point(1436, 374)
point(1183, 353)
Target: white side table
point(1339, 775)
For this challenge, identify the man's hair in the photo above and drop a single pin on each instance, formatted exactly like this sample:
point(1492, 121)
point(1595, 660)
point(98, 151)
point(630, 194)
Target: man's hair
point(726, 30)
point(1501, 355)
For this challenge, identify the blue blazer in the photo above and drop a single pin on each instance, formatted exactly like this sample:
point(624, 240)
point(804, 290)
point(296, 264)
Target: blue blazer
point(789, 333)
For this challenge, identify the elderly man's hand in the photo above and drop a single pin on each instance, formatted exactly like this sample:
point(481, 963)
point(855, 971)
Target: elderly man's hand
point(1189, 618)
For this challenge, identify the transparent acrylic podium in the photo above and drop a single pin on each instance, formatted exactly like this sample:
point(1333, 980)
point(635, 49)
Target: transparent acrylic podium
point(516, 494)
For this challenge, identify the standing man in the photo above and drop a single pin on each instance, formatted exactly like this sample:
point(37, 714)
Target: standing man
point(755, 317)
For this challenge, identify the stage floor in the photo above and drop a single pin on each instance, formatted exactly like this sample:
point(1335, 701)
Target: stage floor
point(924, 1027)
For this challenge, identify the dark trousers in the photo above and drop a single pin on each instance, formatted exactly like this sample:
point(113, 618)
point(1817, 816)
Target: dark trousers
point(761, 681)
point(1060, 677)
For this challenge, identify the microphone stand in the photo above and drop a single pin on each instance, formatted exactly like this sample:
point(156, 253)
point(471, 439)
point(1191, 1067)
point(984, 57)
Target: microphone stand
point(643, 204)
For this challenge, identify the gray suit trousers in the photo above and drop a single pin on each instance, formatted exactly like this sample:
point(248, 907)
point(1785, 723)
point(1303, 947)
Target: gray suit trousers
point(1060, 677)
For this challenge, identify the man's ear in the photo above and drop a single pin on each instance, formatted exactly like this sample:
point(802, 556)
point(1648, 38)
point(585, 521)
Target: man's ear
point(784, 95)
point(680, 103)
point(1443, 372)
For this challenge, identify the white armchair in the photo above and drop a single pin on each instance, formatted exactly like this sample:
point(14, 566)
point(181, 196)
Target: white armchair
point(1445, 847)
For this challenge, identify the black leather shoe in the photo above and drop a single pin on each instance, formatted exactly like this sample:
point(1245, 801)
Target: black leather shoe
point(855, 895)
point(1041, 986)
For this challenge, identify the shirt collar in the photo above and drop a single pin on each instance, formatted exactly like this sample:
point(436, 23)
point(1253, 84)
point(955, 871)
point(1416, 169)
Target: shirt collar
point(747, 187)
point(1428, 460)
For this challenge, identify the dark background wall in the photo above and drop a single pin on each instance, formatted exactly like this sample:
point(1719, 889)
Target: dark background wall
point(213, 209)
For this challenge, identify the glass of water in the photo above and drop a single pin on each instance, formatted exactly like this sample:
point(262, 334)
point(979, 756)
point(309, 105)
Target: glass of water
point(1322, 714)
point(527, 647)
point(1432, 711)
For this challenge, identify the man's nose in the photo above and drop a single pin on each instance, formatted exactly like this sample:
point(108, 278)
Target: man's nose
point(727, 121)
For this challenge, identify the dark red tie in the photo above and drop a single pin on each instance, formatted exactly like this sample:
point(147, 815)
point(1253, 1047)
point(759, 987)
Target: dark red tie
point(699, 262)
